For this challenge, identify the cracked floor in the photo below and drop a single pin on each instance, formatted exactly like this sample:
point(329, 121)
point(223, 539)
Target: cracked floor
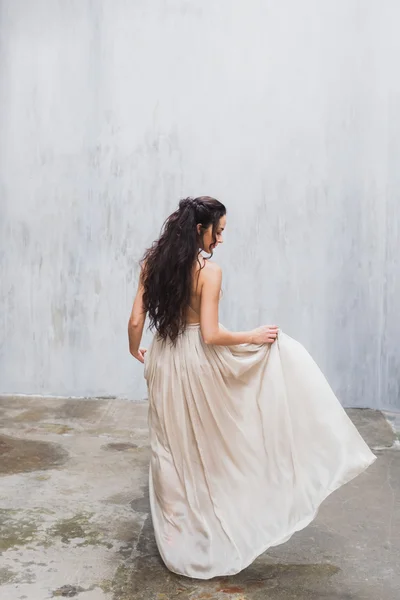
point(75, 523)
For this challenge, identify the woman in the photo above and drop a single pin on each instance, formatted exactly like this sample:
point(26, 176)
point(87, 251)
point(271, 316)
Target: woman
point(247, 437)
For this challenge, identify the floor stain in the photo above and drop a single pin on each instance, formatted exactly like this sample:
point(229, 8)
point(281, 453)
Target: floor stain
point(79, 409)
point(105, 585)
point(79, 527)
point(32, 415)
point(58, 428)
point(42, 477)
point(68, 591)
point(128, 534)
point(16, 529)
point(121, 498)
point(106, 431)
point(7, 576)
point(20, 410)
point(22, 456)
point(141, 505)
point(120, 446)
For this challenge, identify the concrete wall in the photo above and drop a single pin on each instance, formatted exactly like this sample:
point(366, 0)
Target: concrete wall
point(287, 111)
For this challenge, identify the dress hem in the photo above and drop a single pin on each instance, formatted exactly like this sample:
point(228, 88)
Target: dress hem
point(302, 524)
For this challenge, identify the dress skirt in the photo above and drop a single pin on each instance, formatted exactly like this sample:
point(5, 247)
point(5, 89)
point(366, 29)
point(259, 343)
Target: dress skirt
point(246, 442)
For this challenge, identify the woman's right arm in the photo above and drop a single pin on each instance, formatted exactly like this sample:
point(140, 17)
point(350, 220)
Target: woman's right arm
point(136, 324)
point(209, 321)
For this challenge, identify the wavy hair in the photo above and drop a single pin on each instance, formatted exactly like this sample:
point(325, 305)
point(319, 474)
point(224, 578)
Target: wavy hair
point(167, 267)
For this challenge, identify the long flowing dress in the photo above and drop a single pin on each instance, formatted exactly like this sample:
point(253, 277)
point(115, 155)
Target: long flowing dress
point(246, 442)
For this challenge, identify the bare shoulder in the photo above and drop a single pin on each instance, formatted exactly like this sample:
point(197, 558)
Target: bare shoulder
point(212, 267)
point(211, 272)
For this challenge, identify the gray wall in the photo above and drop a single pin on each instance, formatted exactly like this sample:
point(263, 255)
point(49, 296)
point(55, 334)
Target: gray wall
point(287, 111)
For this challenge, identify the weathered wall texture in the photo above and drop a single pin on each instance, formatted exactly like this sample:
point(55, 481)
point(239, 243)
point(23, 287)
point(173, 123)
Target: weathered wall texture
point(287, 111)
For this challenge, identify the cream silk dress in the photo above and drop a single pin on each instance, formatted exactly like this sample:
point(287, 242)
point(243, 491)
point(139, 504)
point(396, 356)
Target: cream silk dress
point(246, 442)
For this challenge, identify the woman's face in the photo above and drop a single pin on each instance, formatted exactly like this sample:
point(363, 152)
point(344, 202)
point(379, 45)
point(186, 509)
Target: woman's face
point(209, 243)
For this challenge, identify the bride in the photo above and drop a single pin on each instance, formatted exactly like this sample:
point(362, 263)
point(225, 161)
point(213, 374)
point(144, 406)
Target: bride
point(247, 438)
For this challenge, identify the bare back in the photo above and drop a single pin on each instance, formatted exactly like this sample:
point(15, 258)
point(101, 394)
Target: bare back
point(199, 273)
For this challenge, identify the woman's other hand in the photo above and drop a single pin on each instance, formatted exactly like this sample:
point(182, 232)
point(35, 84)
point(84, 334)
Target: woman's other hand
point(266, 334)
point(139, 354)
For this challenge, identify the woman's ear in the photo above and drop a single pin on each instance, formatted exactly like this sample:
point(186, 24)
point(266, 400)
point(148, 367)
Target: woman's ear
point(199, 228)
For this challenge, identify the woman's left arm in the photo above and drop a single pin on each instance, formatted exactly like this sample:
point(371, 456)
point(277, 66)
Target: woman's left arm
point(136, 325)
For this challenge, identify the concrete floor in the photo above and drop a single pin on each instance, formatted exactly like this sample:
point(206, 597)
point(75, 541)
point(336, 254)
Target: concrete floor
point(74, 516)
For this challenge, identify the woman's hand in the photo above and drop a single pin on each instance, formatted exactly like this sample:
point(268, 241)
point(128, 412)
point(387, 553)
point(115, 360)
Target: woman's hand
point(139, 354)
point(264, 335)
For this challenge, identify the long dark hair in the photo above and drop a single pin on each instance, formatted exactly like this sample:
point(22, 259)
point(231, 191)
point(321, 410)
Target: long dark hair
point(167, 267)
